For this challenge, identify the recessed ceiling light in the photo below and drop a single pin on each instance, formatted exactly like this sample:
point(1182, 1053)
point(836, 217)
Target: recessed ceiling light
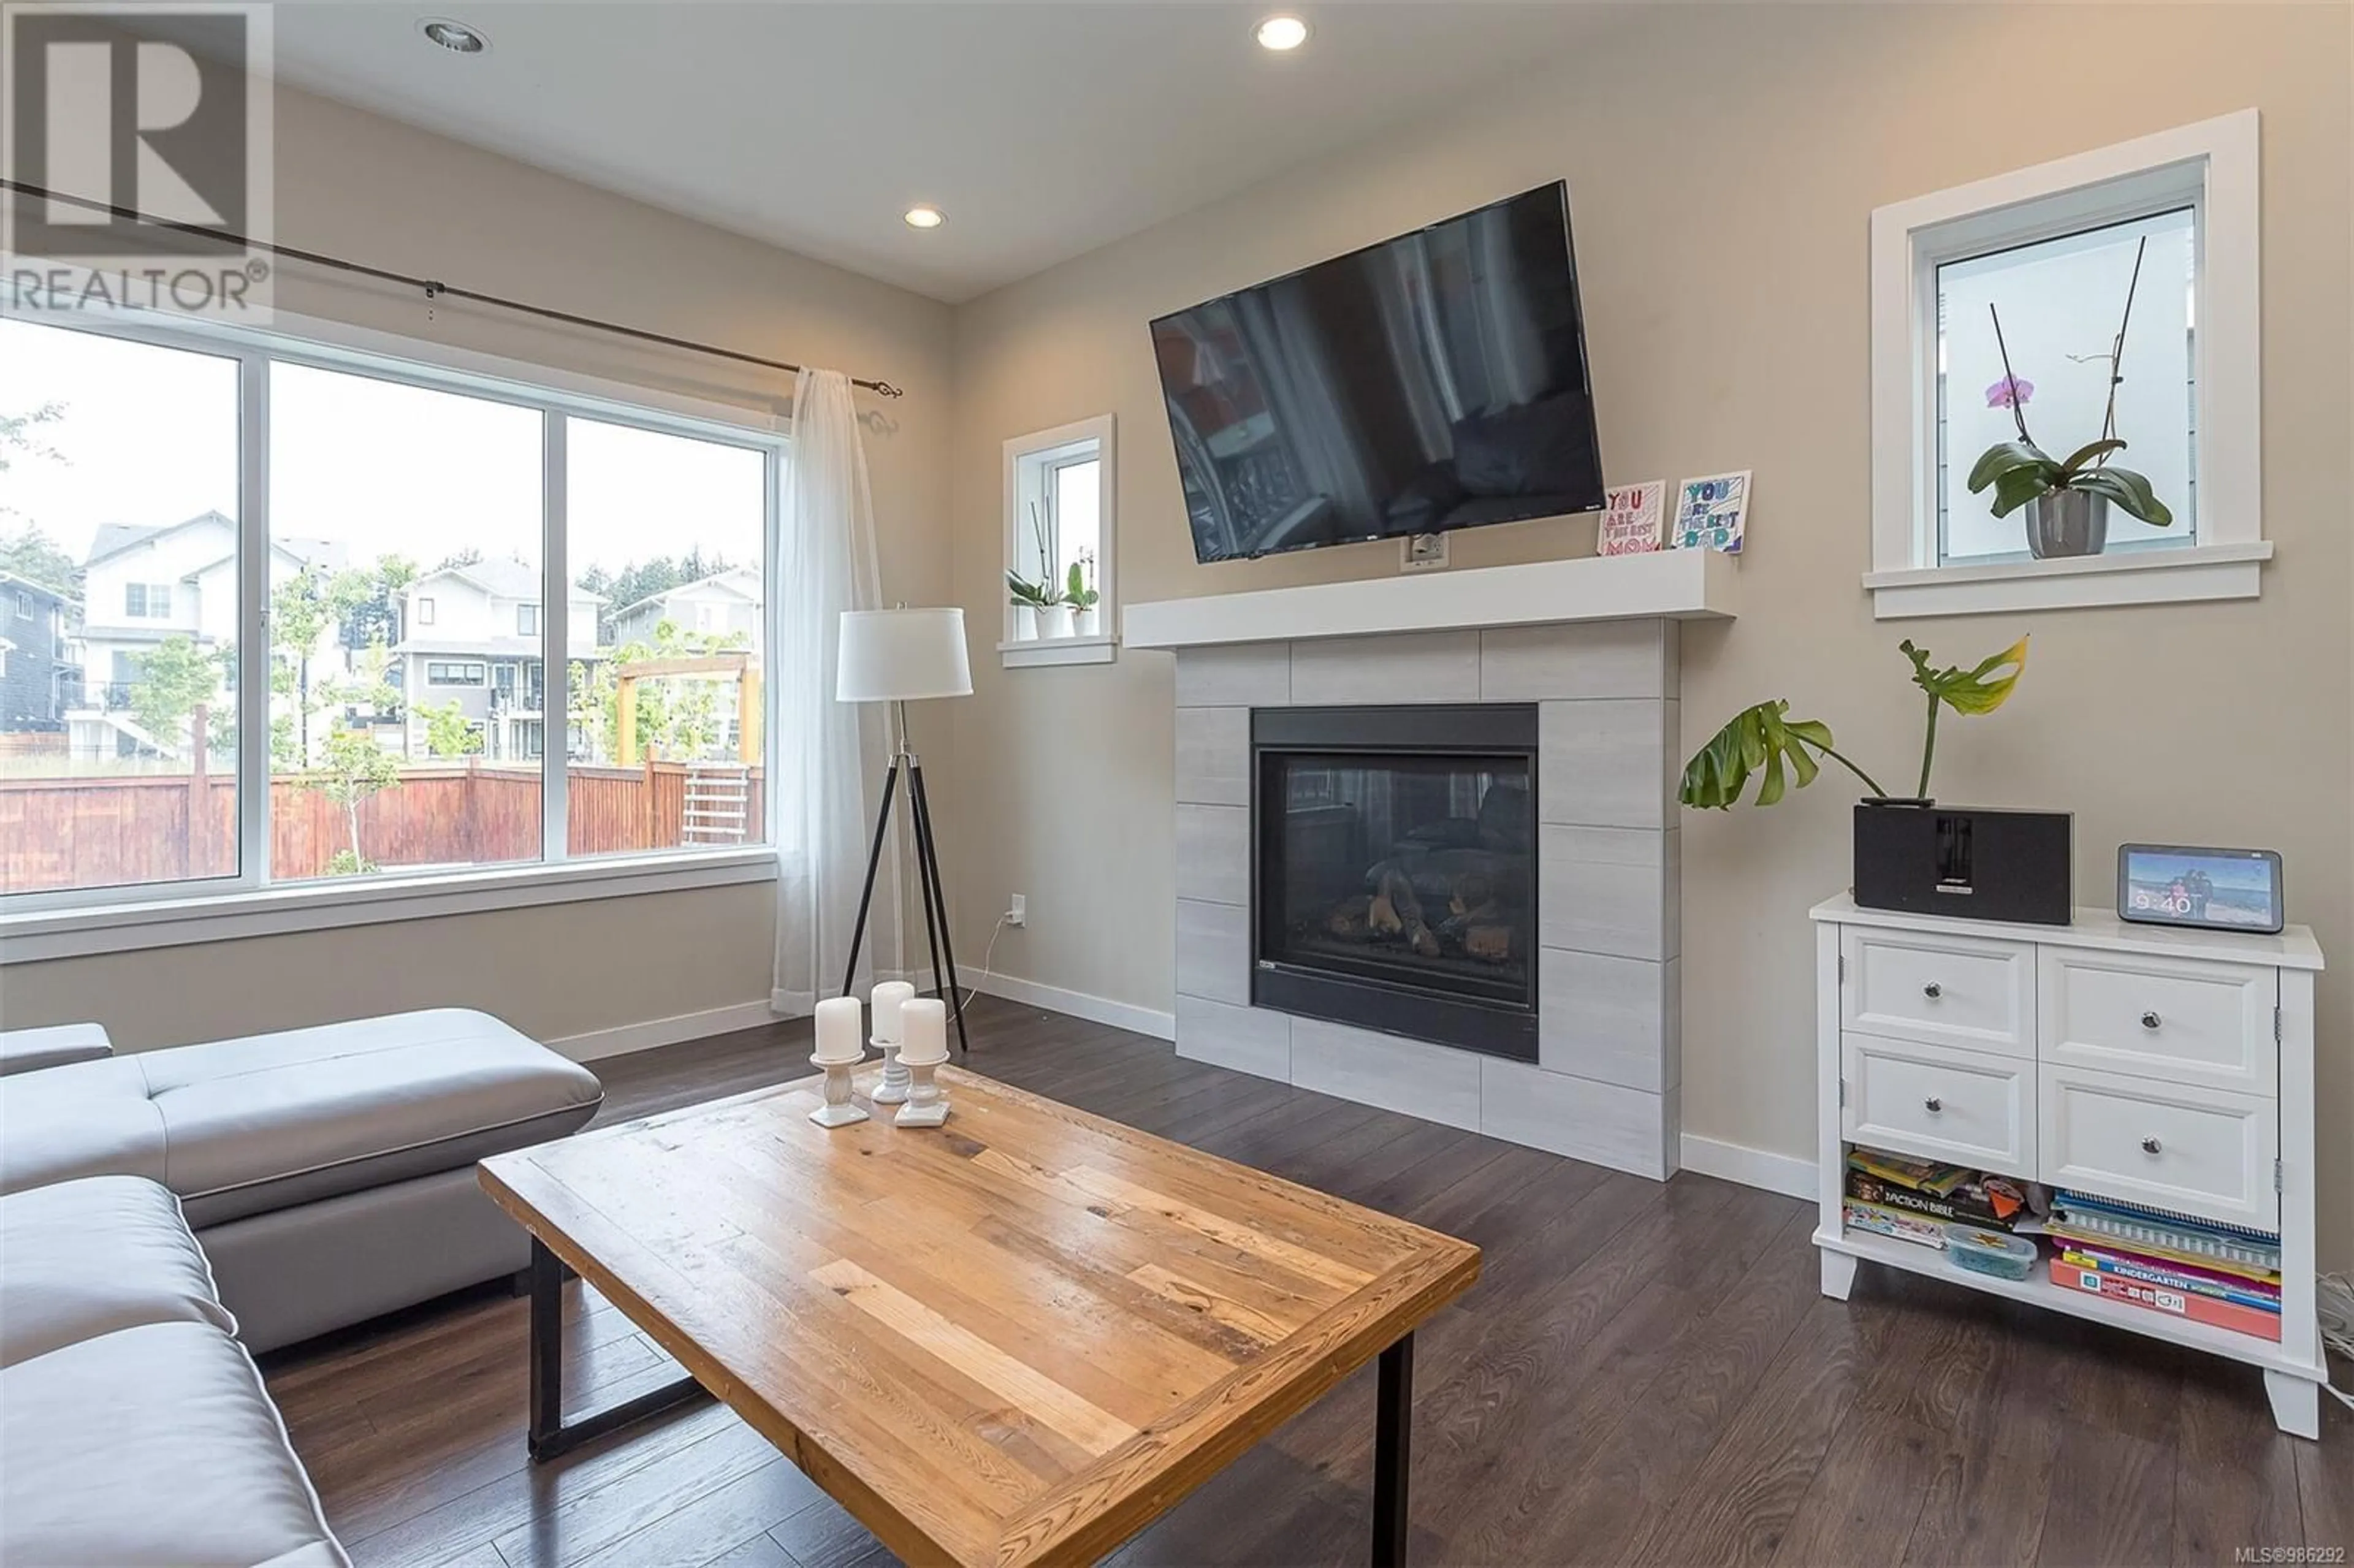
point(1282, 33)
point(455, 37)
point(924, 217)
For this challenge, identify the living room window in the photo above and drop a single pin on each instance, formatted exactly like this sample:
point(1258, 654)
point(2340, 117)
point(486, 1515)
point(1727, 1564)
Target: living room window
point(318, 705)
point(1059, 540)
point(668, 697)
point(130, 482)
point(2000, 312)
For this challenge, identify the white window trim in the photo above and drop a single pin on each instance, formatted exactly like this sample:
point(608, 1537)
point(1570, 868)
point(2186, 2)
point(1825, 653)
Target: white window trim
point(67, 922)
point(194, 916)
point(2212, 165)
point(1102, 646)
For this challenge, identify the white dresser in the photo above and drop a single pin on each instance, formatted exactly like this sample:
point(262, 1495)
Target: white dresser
point(2164, 1067)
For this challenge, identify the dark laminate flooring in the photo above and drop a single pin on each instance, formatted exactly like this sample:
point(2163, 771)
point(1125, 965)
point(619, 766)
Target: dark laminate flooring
point(1645, 1373)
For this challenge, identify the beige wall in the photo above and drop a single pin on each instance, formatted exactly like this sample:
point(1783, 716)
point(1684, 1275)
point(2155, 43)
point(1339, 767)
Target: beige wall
point(355, 185)
point(1721, 237)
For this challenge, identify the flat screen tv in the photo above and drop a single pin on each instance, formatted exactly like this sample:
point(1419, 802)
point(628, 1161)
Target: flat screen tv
point(1434, 382)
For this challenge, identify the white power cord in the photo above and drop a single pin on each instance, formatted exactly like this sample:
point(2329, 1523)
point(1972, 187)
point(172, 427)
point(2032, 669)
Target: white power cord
point(2334, 1306)
point(990, 951)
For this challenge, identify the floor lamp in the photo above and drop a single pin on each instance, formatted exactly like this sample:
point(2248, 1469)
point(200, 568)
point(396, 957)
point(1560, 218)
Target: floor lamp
point(901, 656)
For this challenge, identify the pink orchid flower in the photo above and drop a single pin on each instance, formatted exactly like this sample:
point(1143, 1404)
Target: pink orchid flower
point(2011, 392)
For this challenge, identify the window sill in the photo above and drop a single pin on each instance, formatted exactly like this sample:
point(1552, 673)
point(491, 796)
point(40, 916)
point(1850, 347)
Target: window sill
point(2090, 582)
point(36, 936)
point(1100, 649)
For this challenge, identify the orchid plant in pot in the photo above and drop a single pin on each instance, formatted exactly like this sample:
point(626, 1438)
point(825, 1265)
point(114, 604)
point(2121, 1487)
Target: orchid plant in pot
point(2067, 500)
point(1039, 609)
point(1080, 592)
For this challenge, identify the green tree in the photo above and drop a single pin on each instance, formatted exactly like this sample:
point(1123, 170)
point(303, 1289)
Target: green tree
point(352, 769)
point(175, 677)
point(366, 599)
point(29, 552)
point(299, 614)
point(448, 732)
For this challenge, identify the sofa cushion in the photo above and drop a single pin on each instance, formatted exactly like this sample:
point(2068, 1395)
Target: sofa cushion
point(153, 1447)
point(246, 1127)
point(85, 1258)
point(52, 1046)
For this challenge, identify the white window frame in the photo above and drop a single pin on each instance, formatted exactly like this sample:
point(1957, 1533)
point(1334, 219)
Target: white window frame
point(36, 926)
point(425, 609)
point(528, 613)
point(2210, 166)
point(1030, 461)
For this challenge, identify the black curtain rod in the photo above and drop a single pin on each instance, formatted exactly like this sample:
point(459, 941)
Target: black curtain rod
point(433, 288)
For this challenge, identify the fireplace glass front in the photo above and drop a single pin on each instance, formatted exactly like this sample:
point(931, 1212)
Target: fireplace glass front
point(1396, 874)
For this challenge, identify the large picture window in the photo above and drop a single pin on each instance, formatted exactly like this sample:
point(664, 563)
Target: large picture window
point(278, 614)
point(119, 508)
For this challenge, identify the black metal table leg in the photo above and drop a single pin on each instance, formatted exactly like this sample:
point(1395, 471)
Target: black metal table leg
point(1393, 1423)
point(549, 1434)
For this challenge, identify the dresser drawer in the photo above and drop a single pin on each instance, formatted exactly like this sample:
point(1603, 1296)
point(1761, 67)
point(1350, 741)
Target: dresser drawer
point(1969, 991)
point(2179, 1020)
point(1966, 1108)
point(2198, 1151)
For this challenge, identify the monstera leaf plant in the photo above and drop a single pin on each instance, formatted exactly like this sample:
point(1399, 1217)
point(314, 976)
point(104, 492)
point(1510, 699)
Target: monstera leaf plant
point(1783, 752)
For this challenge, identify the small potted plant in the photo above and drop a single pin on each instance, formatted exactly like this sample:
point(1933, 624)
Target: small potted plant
point(2067, 501)
point(1080, 593)
point(1027, 599)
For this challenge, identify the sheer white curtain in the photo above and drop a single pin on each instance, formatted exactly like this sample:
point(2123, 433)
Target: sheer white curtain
point(830, 755)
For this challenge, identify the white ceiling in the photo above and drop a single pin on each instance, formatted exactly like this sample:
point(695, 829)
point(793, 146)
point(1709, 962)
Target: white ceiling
point(1042, 130)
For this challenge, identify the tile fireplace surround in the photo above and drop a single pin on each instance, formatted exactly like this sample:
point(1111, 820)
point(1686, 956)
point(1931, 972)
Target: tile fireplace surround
point(1605, 1083)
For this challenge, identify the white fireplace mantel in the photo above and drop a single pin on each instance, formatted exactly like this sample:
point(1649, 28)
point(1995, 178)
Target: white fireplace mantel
point(1671, 585)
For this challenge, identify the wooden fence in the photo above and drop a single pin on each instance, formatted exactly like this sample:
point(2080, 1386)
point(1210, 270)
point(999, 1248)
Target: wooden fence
point(109, 832)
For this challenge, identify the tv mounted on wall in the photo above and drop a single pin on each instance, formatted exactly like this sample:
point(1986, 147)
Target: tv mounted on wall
point(1433, 382)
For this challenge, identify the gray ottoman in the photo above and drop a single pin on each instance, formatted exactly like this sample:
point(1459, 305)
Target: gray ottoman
point(328, 1173)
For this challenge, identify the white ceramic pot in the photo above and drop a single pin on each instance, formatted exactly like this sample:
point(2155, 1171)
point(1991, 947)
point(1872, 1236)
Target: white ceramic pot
point(1025, 623)
point(1055, 621)
point(1083, 621)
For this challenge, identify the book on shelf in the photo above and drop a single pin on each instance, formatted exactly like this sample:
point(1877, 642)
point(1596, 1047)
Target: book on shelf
point(2150, 1271)
point(2210, 1243)
point(2068, 1234)
point(1898, 1225)
point(1989, 1201)
point(1904, 1171)
point(2185, 1304)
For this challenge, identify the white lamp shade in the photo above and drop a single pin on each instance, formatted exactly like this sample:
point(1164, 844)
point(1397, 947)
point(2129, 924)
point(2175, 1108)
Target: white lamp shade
point(901, 656)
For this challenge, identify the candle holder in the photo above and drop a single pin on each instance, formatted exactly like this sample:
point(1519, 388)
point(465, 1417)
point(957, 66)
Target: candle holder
point(926, 1106)
point(839, 1110)
point(893, 1089)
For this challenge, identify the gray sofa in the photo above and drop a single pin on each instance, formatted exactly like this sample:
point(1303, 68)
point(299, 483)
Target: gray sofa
point(158, 1209)
point(134, 1431)
point(328, 1173)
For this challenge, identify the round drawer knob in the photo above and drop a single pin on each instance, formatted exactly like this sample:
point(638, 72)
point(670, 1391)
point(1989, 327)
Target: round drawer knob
point(2151, 1146)
point(1933, 990)
point(1934, 1104)
point(2150, 1019)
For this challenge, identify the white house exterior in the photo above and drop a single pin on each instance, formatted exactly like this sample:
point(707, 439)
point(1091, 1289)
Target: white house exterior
point(725, 603)
point(472, 636)
point(145, 584)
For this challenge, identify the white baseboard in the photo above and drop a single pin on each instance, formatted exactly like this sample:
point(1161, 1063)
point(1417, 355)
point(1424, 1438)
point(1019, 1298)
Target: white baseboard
point(1077, 1004)
point(653, 1032)
point(1783, 1173)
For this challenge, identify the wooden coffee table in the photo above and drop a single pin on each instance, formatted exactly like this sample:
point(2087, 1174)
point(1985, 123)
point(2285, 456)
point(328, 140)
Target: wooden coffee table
point(1017, 1338)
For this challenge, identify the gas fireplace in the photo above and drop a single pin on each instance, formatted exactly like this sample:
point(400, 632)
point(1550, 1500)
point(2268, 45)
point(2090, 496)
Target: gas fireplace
point(1394, 883)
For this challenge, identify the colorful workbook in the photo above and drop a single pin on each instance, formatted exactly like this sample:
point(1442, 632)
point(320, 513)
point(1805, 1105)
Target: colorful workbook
point(2173, 1303)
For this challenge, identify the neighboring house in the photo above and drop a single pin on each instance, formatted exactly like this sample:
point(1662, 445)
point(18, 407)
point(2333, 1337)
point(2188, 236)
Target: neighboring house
point(473, 638)
point(717, 606)
point(144, 585)
point(37, 683)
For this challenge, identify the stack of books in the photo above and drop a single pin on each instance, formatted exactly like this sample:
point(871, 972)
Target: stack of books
point(1915, 1200)
point(2225, 1276)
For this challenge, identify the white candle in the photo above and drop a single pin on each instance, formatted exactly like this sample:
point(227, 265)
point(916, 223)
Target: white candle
point(838, 1036)
point(927, 1020)
point(889, 998)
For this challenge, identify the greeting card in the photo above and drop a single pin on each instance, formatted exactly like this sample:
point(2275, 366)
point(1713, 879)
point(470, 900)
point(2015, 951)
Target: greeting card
point(1710, 512)
point(1630, 518)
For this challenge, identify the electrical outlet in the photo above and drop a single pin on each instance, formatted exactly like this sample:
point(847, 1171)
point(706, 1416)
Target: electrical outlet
point(1421, 553)
point(1018, 912)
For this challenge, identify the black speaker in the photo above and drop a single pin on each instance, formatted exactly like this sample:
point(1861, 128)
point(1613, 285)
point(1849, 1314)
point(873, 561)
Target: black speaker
point(1964, 861)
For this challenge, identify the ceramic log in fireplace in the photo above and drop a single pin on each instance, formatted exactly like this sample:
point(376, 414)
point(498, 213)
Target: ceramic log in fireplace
point(1395, 882)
